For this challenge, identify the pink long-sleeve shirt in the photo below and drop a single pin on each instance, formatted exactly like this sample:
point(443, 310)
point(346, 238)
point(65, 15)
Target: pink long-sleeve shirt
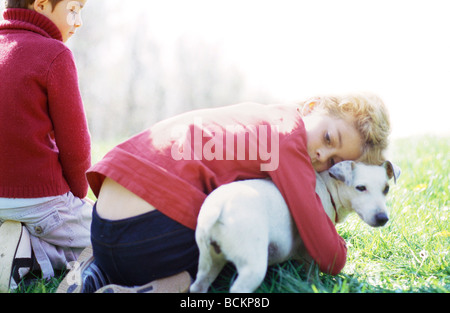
point(176, 163)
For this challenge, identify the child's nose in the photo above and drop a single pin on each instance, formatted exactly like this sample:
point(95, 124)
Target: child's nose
point(323, 159)
point(323, 155)
point(78, 21)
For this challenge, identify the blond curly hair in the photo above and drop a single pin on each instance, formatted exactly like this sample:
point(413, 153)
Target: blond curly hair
point(369, 116)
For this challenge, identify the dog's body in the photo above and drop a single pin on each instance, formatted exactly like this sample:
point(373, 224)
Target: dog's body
point(248, 222)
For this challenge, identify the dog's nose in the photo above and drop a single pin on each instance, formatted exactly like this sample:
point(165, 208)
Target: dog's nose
point(381, 219)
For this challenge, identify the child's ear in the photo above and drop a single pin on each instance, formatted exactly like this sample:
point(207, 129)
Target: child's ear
point(308, 106)
point(39, 5)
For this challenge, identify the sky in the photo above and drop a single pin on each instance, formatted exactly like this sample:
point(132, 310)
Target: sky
point(398, 49)
point(295, 49)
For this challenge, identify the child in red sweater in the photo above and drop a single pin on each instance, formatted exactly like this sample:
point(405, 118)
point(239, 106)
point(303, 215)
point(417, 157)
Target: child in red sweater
point(44, 138)
point(151, 187)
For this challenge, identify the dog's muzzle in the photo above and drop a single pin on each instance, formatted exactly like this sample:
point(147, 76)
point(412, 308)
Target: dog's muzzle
point(381, 219)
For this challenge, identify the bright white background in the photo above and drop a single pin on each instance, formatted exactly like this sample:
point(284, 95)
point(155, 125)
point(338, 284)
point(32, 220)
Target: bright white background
point(399, 49)
point(294, 49)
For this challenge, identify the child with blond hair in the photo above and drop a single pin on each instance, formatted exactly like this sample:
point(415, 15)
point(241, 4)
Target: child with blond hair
point(45, 141)
point(151, 187)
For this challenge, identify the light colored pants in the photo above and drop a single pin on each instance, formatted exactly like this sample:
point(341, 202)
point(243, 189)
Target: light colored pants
point(59, 229)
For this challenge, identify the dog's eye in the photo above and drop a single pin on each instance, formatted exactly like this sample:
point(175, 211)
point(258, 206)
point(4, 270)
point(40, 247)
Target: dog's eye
point(386, 190)
point(361, 188)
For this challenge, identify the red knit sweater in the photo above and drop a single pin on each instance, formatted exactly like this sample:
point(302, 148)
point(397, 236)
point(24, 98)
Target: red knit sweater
point(44, 138)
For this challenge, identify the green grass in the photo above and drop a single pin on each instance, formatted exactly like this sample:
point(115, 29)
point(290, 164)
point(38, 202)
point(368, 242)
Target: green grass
point(409, 254)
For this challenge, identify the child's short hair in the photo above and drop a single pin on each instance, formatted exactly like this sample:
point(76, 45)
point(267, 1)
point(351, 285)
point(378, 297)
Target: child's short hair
point(23, 4)
point(370, 117)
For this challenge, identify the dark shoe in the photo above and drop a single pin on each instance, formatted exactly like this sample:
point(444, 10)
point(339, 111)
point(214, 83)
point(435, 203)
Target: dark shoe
point(84, 277)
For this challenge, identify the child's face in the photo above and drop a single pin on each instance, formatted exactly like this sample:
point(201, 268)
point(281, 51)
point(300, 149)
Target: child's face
point(331, 140)
point(66, 15)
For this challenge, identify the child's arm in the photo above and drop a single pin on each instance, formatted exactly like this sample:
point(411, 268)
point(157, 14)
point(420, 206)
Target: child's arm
point(295, 178)
point(69, 122)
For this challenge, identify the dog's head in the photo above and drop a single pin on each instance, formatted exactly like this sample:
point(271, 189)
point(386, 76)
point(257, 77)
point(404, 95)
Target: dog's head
point(365, 188)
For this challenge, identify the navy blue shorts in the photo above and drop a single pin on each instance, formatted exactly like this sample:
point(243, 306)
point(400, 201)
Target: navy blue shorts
point(138, 250)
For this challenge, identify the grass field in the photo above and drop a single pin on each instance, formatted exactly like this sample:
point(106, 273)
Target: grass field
point(409, 254)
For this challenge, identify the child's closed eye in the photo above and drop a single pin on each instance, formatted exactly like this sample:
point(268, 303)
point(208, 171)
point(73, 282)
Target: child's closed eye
point(328, 138)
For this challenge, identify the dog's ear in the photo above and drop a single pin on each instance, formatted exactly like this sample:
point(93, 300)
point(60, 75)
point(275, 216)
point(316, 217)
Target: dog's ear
point(392, 170)
point(343, 171)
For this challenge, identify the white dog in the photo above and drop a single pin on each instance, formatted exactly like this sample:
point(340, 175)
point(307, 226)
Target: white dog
point(248, 222)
